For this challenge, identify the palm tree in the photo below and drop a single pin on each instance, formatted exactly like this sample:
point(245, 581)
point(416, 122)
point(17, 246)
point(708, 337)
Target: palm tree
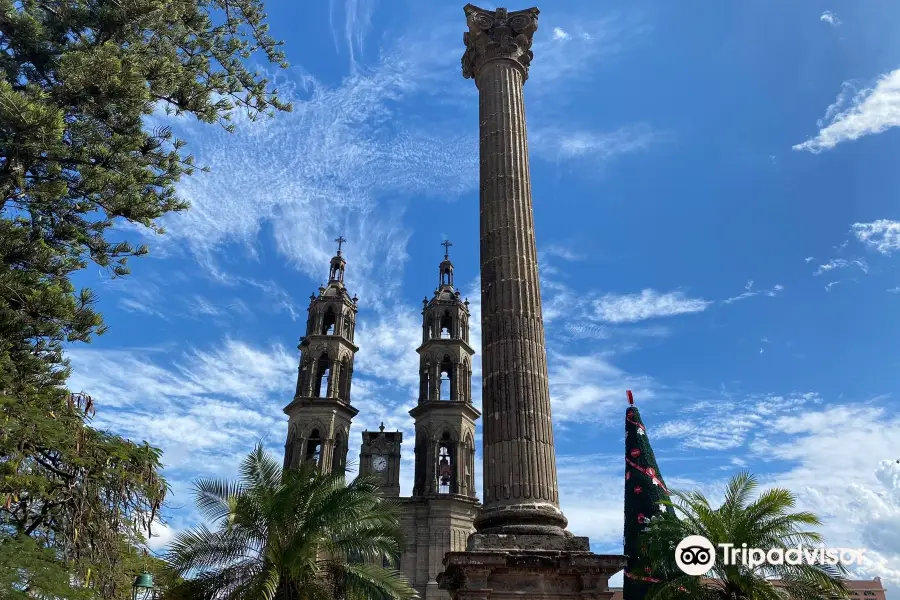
point(765, 523)
point(290, 535)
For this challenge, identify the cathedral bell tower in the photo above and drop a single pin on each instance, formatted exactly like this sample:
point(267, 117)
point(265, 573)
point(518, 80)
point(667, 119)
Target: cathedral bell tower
point(444, 416)
point(320, 414)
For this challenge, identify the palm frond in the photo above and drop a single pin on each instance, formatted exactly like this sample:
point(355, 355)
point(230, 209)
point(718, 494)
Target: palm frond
point(215, 498)
point(373, 582)
point(261, 470)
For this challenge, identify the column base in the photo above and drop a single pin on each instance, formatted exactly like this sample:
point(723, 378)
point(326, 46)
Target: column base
point(506, 567)
point(519, 519)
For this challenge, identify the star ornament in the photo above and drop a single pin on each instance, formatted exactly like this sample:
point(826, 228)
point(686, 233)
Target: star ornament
point(640, 431)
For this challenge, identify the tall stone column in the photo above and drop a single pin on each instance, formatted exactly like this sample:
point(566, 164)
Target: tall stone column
point(520, 486)
point(521, 548)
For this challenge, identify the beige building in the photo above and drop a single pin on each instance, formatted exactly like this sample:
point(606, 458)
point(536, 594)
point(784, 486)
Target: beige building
point(437, 518)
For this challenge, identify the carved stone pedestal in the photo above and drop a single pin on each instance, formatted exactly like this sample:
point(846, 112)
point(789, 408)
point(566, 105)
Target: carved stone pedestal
point(503, 567)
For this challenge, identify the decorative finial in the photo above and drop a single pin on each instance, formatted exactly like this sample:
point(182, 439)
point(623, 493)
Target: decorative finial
point(381, 427)
point(340, 240)
point(446, 244)
point(630, 397)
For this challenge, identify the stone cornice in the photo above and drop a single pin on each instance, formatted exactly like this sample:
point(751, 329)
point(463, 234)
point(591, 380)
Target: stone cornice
point(446, 343)
point(444, 406)
point(332, 404)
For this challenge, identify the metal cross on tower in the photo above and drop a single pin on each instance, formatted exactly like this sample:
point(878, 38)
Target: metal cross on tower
point(340, 240)
point(446, 244)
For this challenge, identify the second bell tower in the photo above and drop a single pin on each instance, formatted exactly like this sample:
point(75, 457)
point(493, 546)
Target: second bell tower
point(320, 414)
point(445, 417)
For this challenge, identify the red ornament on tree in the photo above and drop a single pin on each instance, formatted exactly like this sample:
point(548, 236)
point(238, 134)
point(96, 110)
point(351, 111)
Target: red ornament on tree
point(627, 477)
point(637, 489)
point(635, 452)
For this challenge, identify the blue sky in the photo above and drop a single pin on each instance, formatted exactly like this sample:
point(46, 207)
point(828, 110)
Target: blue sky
point(716, 202)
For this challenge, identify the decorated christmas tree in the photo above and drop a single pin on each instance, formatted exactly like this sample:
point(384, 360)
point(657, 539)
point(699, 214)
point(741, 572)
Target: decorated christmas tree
point(644, 493)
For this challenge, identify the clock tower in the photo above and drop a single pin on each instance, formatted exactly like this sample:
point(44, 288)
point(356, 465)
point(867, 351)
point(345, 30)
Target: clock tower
point(380, 456)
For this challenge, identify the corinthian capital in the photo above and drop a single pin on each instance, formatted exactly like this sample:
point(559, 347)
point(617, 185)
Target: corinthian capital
point(496, 35)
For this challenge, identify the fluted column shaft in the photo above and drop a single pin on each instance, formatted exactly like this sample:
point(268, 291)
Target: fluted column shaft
point(520, 483)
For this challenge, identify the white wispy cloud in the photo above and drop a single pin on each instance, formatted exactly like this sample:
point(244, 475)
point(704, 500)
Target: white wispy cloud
point(830, 18)
point(199, 406)
point(729, 423)
point(749, 292)
point(857, 492)
point(575, 46)
point(872, 110)
point(583, 387)
point(559, 144)
point(842, 263)
point(882, 235)
point(357, 22)
point(649, 304)
point(560, 34)
point(328, 165)
point(143, 296)
point(560, 251)
point(590, 495)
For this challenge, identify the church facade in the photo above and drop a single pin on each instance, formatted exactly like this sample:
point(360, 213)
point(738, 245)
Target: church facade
point(438, 517)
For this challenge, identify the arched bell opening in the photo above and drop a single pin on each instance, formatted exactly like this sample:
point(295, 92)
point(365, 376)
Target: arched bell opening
point(446, 463)
point(338, 455)
point(425, 389)
point(348, 326)
point(323, 375)
point(344, 380)
point(329, 319)
point(446, 331)
point(448, 385)
point(469, 452)
point(313, 452)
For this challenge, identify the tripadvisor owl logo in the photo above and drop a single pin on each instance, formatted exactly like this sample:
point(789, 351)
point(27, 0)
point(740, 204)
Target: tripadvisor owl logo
point(696, 555)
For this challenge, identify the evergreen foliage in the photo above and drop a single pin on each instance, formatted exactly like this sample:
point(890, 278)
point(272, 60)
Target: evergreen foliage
point(290, 535)
point(80, 79)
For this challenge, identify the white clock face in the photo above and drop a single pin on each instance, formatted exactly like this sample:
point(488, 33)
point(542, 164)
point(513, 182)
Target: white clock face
point(379, 463)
